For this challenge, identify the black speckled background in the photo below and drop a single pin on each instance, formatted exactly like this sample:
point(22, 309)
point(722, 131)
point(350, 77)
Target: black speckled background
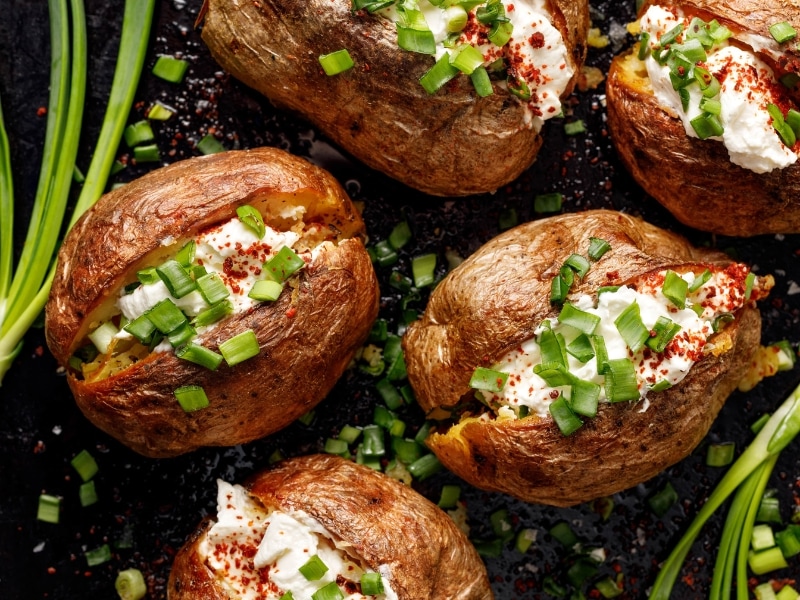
point(154, 504)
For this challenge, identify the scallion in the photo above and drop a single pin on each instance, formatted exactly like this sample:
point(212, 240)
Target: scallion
point(283, 265)
point(166, 316)
point(597, 248)
point(425, 466)
point(240, 347)
point(720, 455)
point(782, 32)
point(87, 493)
point(439, 74)
point(329, 591)
point(631, 327)
point(488, 379)
point(566, 420)
point(49, 509)
point(265, 290)
point(423, 269)
point(176, 277)
point(170, 68)
point(213, 314)
point(674, 289)
point(130, 585)
point(371, 584)
point(200, 355)
point(191, 397)
point(581, 320)
point(98, 556)
point(548, 203)
point(209, 144)
point(620, 381)
point(336, 62)
point(85, 464)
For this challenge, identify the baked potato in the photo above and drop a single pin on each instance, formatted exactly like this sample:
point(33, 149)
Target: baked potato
point(356, 520)
point(575, 356)
point(453, 140)
point(720, 158)
point(200, 235)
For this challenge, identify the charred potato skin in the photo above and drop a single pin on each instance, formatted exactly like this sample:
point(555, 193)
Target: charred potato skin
point(448, 144)
point(315, 330)
point(694, 179)
point(387, 522)
point(493, 302)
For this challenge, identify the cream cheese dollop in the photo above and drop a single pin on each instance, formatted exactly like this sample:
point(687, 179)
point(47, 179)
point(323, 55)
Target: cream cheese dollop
point(747, 88)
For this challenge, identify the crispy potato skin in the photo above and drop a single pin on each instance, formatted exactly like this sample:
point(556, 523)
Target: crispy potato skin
point(388, 524)
point(315, 330)
point(495, 299)
point(448, 144)
point(695, 179)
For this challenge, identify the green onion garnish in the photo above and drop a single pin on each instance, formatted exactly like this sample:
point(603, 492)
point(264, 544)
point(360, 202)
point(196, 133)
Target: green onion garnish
point(425, 466)
point(141, 328)
point(213, 314)
point(182, 335)
point(548, 203)
point(584, 399)
point(209, 144)
point(373, 444)
point(176, 278)
point(581, 348)
point(160, 112)
point(49, 508)
point(518, 87)
point(631, 328)
point(481, 82)
point(699, 281)
point(555, 375)
point(329, 591)
point(389, 393)
point(166, 316)
point(191, 397)
point(103, 336)
point(438, 75)
point(185, 256)
point(767, 560)
point(608, 588)
point(148, 153)
point(265, 290)
point(553, 348)
point(720, 455)
point(600, 352)
point(597, 248)
point(662, 501)
point(620, 382)
point(85, 464)
point(400, 235)
point(675, 288)
point(240, 347)
point(488, 379)
point(566, 420)
point(170, 68)
point(579, 319)
point(664, 329)
point(415, 40)
point(138, 133)
point(87, 493)
point(466, 58)
point(748, 285)
point(200, 355)
point(336, 62)
point(130, 585)
point(449, 496)
point(335, 446)
point(578, 263)
point(422, 268)
point(98, 555)
point(283, 265)
point(148, 276)
point(250, 216)
point(212, 288)
point(559, 289)
point(782, 32)
point(371, 584)
point(707, 125)
point(574, 127)
point(499, 35)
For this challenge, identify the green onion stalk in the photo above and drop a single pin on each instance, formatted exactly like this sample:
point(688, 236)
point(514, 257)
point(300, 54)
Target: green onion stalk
point(23, 298)
point(750, 471)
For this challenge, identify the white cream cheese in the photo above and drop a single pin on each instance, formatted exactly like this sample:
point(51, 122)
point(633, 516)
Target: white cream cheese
point(723, 293)
point(256, 554)
point(231, 250)
point(536, 50)
point(747, 87)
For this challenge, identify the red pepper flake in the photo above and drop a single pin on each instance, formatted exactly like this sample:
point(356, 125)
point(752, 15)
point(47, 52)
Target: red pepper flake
point(291, 312)
point(41, 111)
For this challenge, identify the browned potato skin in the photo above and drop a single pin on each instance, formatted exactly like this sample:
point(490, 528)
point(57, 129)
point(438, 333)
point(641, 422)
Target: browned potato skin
point(452, 143)
point(306, 338)
point(695, 179)
point(495, 299)
point(387, 522)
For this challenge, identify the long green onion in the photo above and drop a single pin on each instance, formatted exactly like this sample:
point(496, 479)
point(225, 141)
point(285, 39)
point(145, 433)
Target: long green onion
point(25, 300)
point(774, 436)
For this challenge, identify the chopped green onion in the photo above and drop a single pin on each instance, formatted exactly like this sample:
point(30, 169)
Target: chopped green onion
point(524, 540)
point(488, 379)
point(148, 276)
point(608, 588)
point(334, 446)
point(554, 374)
point(415, 40)
point(585, 398)
point(182, 335)
point(185, 256)
point(455, 18)
point(141, 328)
point(176, 278)
point(661, 386)
point(720, 455)
point(423, 432)
point(518, 87)
point(481, 82)
point(373, 444)
point(209, 144)
point(548, 203)
point(130, 585)
point(786, 355)
point(98, 555)
point(792, 119)
point(597, 248)
point(782, 32)
point(644, 45)
point(213, 314)
point(574, 127)
point(563, 533)
point(699, 281)
point(499, 35)
point(159, 112)
point(389, 393)
point(631, 328)
point(663, 500)
point(212, 288)
point(371, 584)
point(283, 265)
point(85, 464)
point(675, 288)
point(490, 12)
point(449, 496)
point(407, 451)
point(166, 316)
point(265, 290)
point(329, 591)
point(149, 153)
point(466, 58)
point(200, 355)
point(707, 125)
point(582, 569)
point(251, 217)
point(170, 68)
point(191, 397)
point(600, 352)
point(240, 347)
point(769, 510)
point(788, 542)
point(307, 418)
point(748, 285)
point(579, 264)
point(567, 421)
point(670, 36)
point(349, 434)
point(664, 330)
point(711, 106)
point(87, 493)
point(439, 74)
point(767, 560)
point(336, 62)
point(138, 133)
point(501, 524)
point(400, 235)
point(103, 336)
point(425, 466)
point(553, 349)
point(581, 320)
point(422, 268)
point(620, 382)
point(559, 288)
point(49, 508)
point(581, 348)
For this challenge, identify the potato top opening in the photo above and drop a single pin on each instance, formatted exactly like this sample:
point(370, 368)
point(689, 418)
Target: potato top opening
point(725, 80)
point(260, 552)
